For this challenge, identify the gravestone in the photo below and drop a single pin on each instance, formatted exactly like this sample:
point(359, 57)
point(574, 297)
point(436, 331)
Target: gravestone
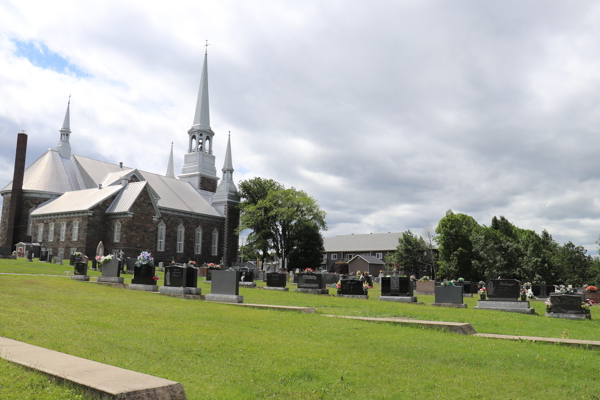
point(94, 264)
point(191, 277)
point(142, 278)
point(503, 295)
point(49, 258)
point(225, 287)
point(131, 265)
point(449, 296)
point(180, 281)
point(110, 272)
point(175, 276)
point(311, 283)
point(209, 272)
point(503, 289)
point(44, 255)
point(30, 256)
point(331, 279)
point(567, 306)
point(276, 281)
point(352, 288)
point(80, 272)
point(247, 278)
point(398, 289)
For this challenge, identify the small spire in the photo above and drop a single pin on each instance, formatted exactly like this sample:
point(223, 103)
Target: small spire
point(201, 116)
point(228, 165)
point(170, 168)
point(67, 122)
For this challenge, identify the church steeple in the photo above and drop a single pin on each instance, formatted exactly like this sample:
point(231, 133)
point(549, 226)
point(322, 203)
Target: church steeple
point(199, 162)
point(170, 169)
point(63, 146)
point(226, 190)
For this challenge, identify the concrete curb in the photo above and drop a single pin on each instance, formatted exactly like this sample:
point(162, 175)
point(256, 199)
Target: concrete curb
point(307, 310)
point(592, 344)
point(98, 379)
point(460, 328)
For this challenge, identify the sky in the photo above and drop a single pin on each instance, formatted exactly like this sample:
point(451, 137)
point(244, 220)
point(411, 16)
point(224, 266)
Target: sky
point(387, 113)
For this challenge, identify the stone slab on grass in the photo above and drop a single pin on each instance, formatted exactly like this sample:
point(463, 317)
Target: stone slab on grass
point(143, 288)
point(280, 289)
point(307, 310)
point(84, 278)
point(110, 279)
point(179, 290)
point(399, 299)
point(592, 344)
point(313, 291)
point(224, 298)
point(461, 328)
point(576, 317)
point(521, 307)
point(98, 379)
point(450, 305)
point(354, 296)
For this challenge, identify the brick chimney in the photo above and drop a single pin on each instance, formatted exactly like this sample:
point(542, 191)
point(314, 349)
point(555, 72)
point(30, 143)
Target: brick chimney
point(14, 228)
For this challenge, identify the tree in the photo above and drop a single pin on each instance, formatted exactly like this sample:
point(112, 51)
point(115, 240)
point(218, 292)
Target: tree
point(308, 249)
point(574, 266)
point(252, 192)
point(494, 254)
point(429, 238)
point(455, 246)
point(282, 219)
point(411, 253)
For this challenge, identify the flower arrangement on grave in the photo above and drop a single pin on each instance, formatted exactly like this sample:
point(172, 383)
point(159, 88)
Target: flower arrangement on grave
point(562, 289)
point(523, 293)
point(366, 288)
point(425, 279)
point(483, 293)
point(192, 263)
point(76, 253)
point(527, 285)
point(448, 283)
point(461, 279)
point(155, 279)
point(103, 259)
point(530, 294)
point(412, 277)
point(144, 258)
point(309, 271)
point(591, 289)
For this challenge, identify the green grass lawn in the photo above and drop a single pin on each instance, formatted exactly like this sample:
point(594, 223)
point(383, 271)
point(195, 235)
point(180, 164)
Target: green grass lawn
point(226, 352)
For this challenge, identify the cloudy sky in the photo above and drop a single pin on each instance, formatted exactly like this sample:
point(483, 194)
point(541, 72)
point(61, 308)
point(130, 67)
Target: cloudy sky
point(388, 113)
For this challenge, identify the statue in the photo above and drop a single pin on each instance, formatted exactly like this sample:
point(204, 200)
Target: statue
point(100, 249)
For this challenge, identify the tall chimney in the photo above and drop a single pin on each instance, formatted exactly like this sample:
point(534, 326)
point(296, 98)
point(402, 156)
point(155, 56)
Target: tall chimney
point(15, 230)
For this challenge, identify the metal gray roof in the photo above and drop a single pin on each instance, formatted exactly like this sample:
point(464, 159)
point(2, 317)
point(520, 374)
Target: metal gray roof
point(126, 198)
point(80, 200)
point(364, 242)
point(369, 259)
point(52, 173)
point(96, 170)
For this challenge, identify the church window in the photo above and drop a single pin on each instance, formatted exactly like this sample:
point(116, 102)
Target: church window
point(63, 231)
point(117, 237)
point(180, 237)
point(198, 247)
point(75, 230)
point(160, 246)
point(61, 253)
point(30, 227)
point(51, 231)
point(40, 236)
point(215, 242)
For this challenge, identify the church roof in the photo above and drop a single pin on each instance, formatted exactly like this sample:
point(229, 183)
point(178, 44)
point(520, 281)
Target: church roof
point(126, 198)
point(364, 242)
point(80, 200)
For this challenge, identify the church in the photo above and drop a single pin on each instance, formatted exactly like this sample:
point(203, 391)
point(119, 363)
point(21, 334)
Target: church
point(69, 203)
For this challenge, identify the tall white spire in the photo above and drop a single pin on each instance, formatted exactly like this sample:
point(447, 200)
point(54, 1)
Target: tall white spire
point(202, 116)
point(170, 168)
point(227, 164)
point(63, 146)
point(226, 190)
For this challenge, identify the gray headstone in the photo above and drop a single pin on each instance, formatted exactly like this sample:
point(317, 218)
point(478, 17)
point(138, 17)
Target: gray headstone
point(225, 282)
point(449, 294)
point(111, 269)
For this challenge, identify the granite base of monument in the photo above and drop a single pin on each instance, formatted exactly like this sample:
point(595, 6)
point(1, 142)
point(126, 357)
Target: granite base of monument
point(521, 307)
point(143, 288)
point(179, 290)
point(354, 296)
point(569, 316)
point(313, 291)
point(281, 289)
point(224, 298)
point(450, 305)
point(399, 299)
point(110, 279)
point(248, 284)
point(80, 277)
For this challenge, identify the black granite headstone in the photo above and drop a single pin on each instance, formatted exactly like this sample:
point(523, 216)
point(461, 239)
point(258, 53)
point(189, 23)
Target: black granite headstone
point(246, 275)
point(352, 287)
point(331, 279)
point(44, 255)
point(30, 255)
point(275, 279)
point(191, 276)
point(311, 281)
point(225, 282)
point(396, 286)
point(143, 275)
point(80, 268)
point(175, 276)
point(567, 303)
point(503, 289)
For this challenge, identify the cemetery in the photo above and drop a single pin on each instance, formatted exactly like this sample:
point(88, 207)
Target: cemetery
point(221, 333)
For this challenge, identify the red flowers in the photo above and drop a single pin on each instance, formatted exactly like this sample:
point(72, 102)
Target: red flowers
point(156, 278)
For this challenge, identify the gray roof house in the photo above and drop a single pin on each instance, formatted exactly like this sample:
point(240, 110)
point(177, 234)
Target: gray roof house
point(345, 247)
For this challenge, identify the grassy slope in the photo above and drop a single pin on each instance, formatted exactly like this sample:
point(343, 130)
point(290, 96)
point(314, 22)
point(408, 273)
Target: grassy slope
point(221, 351)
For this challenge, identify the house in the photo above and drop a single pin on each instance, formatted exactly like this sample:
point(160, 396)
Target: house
point(363, 263)
point(69, 203)
point(345, 247)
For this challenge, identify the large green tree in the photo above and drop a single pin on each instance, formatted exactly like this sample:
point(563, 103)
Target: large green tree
point(455, 246)
point(283, 219)
point(411, 254)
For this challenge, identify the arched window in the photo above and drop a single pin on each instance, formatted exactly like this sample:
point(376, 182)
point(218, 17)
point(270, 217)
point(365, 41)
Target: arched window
point(215, 242)
point(160, 246)
point(50, 232)
point(198, 247)
point(40, 236)
point(180, 237)
point(117, 232)
point(63, 231)
point(75, 231)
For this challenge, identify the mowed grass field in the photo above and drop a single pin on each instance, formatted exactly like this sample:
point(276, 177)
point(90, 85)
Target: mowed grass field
point(226, 352)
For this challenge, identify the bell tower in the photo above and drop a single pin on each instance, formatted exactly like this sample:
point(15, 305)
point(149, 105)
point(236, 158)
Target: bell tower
point(199, 162)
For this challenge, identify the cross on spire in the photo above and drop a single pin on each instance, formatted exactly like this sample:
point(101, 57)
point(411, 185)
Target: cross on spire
point(206, 47)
